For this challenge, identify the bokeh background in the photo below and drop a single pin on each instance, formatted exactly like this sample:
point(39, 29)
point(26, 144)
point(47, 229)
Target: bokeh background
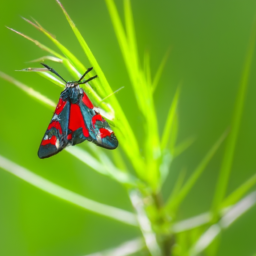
point(208, 41)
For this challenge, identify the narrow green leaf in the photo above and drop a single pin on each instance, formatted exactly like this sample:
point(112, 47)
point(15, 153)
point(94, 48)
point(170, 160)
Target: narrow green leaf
point(239, 192)
point(235, 126)
point(232, 215)
point(64, 50)
point(51, 58)
point(196, 174)
point(43, 73)
point(129, 142)
point(147, 69)
point(67, 195)
point(128, 46)
point(144, 223)
point(205, 240)
point(174, 134)
point(77, 63)
point(65, 61)
point(131, 37)
point(142, 91)
point(43, 47)
point(164, 167)
point(170, 120)
point(193, 222)
point(176, 189)
point(104, 166)
point(180, 148)
point(52, 79)
point(85, 157)
point(125, 249)
point(160, 71)
point(68, 54)
point(106, 87)
point(119, 161)
point(119, 30)
point(30, 91)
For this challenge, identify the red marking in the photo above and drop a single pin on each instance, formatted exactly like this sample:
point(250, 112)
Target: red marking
point(55, 124)
point(76, 120)
point(69, 137)
point(104, 133)
point(96, 118)
point(87, 102)
point(60, 106)
point(52, 141)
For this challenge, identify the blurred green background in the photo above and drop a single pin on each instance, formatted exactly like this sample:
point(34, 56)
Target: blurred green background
point(208, 42)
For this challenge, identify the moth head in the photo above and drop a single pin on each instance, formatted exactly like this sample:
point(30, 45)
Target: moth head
point(71, 84)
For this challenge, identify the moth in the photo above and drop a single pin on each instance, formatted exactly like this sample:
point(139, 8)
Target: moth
point(74, 120)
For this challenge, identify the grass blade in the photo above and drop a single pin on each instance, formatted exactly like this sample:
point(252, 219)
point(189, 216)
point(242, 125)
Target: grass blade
point(30, 91)
point(196, 174)
point(160, 71)
point(232, 215)
point(106, 88)
point(180, 148)
point(131, 37)
point(69, 196)
point(77, 64)
point(144, 223)
point(129, 141)
point(147, 70)
point(192, 222)
point(177, 188)
point(142, 91)
point(67, 53)
point(43, 47)
point(82, 155)
point(235, 126)
point(43, 73)
point(65, 61)
point(63, 49)
point(120, 33)
point(170, 120)
point(125, 249)
point(51, 58)
point(52, 79)
point(239, 192)
point(105, 167)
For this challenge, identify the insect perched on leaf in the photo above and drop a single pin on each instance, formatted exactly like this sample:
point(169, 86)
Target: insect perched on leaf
point(75, 120)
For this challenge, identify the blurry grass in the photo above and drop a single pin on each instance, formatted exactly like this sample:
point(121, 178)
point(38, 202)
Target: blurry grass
point(173, 203)
point(53, 189)
point(235, 126)
point(151, 161)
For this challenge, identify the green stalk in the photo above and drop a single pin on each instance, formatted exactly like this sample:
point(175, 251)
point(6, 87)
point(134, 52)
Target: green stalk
point(235, 127)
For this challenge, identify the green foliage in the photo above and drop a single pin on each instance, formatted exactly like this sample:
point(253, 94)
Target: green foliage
point(142, 169)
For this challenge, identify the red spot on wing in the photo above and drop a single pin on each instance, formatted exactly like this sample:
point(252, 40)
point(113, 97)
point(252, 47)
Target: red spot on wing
point(87, 102)
point(52, 141)
point(96, 118)
point(69, 137)
point(55, 124)
point(76, 120)
point(60, 106)
point(104, 133)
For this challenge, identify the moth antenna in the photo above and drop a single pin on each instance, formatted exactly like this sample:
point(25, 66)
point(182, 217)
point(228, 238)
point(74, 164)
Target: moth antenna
point(53, 71)
point(86, 72)
point(87, 80)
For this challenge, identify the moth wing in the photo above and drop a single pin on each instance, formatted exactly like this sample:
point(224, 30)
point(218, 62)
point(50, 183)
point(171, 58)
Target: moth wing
point(77, 128)
point(55, 137)
point(99, 130)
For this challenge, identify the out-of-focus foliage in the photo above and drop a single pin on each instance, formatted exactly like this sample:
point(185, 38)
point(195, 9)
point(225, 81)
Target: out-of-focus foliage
point(181, 182)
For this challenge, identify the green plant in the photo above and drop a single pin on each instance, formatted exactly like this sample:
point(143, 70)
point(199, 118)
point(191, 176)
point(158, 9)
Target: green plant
point(161, 234)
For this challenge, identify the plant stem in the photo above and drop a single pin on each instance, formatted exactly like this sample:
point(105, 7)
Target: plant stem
point(164, 237)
